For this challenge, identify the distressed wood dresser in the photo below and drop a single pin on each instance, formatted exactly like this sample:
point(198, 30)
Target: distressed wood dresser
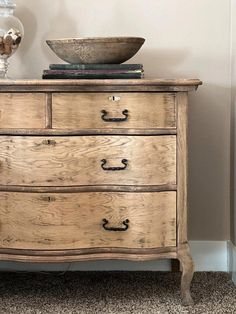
point(94, 169)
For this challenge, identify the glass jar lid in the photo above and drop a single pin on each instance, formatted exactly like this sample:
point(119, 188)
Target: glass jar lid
point(7, 3)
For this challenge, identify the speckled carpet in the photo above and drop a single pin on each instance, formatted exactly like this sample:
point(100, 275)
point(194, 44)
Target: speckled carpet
point(113, 292)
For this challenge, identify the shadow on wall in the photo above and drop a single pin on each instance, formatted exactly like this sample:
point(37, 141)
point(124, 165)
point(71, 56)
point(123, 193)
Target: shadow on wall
point(33, 54)
point(161, 63)
point(209, 147)
point(62, 25)
point(209, 153)
point(30, 26)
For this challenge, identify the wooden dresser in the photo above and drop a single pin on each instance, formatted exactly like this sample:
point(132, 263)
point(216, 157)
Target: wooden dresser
point(94, 169)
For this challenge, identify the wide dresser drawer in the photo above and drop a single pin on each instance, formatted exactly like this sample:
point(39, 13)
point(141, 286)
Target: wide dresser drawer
point(22, 110)
point(87, 160)
point(60, 221)
point(107, 110)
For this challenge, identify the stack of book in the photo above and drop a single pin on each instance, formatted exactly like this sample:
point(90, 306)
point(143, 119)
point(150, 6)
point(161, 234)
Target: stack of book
point(94, 71)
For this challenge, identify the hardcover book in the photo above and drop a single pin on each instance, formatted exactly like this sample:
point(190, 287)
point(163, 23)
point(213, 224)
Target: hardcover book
point(101, 72)
point(96, 67)
point(93, 76)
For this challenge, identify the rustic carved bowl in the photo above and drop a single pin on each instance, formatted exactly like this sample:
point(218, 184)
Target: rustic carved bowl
point(96, 49)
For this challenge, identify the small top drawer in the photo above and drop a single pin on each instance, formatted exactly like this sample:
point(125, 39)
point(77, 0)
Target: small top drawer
point(113, 110)
point(22, 110)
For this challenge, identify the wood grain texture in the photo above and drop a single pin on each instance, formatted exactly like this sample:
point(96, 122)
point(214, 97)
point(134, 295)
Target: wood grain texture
point(63, 161)
point(83, 110)
point(187, 264)
point(182, 199)
point(149, 88)
point(182, 166)
point(146, 85)
point(86, 257)
point(71, 221)
point(48, 111)
point(90, 251)
point(118, 131)
point(19, 110)
point(89, 188)
point(139, 82)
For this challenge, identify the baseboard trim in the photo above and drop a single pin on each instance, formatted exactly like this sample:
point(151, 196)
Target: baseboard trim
point(232, 261)
point(210, 255)
point(207, 256)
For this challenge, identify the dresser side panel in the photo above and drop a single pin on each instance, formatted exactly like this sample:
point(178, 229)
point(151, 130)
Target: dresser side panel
point(182, 166)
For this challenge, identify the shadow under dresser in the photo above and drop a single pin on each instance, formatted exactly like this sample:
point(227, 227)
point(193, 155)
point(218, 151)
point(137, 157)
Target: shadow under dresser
point(95, 169)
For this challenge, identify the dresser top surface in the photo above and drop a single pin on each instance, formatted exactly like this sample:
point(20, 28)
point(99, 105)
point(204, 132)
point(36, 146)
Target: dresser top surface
point(163, 82)
point(111, 84)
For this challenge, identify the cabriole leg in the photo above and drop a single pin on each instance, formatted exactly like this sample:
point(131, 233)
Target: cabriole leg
point(187, 274)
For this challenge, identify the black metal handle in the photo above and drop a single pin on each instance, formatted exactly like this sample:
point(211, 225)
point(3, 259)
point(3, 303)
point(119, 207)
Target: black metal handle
point(106, 119)
point(124, 162)
point(125, 223)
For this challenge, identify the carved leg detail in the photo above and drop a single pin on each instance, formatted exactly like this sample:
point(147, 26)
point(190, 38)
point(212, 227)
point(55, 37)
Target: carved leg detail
point(187, 274)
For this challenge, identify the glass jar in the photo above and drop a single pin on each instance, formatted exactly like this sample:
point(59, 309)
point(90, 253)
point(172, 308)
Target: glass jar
point(11, 34)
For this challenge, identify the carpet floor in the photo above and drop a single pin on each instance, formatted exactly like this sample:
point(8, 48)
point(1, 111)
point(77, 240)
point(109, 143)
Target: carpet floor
point(113, 292)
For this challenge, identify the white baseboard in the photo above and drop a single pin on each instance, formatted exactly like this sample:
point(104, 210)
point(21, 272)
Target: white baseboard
point(232, 260)
point(207, 256)
point(210, 255)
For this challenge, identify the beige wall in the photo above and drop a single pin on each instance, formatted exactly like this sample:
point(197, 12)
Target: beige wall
point(184, 38)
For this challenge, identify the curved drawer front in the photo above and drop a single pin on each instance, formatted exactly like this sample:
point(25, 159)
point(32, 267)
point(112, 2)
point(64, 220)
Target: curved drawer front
point(87, 160)
point(76, 220)
point(109, 111)
point(22, 110)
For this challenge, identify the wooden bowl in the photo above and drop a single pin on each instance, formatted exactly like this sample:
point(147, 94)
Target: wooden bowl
point(96, 49)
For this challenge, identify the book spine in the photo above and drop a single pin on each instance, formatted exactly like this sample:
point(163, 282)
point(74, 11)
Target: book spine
point(100, 72)
point(95, 66)
point(93, 76)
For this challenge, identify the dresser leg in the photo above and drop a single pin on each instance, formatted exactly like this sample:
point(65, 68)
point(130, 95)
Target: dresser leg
point(187, 274)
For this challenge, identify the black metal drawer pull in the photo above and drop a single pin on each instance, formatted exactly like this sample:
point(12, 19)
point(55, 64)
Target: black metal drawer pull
point(125, 223)
point(106, 119)
point(124, 162)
